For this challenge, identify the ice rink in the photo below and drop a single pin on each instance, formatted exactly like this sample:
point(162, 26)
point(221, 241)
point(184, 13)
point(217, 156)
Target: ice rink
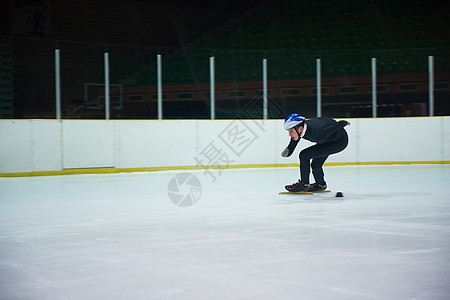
point(120, 236)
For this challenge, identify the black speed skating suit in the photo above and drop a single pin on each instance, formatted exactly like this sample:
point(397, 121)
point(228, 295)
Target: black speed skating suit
point(330, 137)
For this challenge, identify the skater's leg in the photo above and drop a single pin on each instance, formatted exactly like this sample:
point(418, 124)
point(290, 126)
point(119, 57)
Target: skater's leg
point(317, 170)
point(305, 163)
point(321, 153)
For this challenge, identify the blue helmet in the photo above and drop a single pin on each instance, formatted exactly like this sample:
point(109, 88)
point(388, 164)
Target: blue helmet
point(293, 120)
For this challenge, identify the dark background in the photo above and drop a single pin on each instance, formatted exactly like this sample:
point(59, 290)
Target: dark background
point(344, 34)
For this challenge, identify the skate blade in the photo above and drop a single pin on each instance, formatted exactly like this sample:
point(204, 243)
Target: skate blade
point(306, 193)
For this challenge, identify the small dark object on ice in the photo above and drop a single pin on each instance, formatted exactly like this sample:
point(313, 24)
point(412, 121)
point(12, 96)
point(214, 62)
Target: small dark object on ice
point(339, 194)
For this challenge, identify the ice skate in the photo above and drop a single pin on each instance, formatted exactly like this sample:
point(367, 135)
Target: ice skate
point(315, 187)
point(297, 187)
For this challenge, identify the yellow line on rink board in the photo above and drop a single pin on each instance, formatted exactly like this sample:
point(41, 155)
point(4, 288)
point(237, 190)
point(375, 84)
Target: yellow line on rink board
point(112, 170)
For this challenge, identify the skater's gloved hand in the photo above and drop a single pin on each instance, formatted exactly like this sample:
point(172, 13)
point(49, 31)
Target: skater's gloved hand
point(285, 152)
point(290, 148)
point(344, 123)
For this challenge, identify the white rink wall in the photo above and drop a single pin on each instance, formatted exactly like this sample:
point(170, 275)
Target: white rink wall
point(55, 145)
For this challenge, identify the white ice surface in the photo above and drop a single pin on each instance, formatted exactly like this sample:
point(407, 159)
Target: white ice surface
point(120, 237)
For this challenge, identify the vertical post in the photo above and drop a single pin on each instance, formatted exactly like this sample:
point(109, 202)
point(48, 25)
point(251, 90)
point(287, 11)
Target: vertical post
point(159, 83)
point(107, 102)
point(265, 104)
point(212, 87)
point(374, 87)
point(319, 87)
point(431, 85)
point(57, 84)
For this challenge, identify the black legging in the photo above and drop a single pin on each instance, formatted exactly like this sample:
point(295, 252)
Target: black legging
point(319, 154)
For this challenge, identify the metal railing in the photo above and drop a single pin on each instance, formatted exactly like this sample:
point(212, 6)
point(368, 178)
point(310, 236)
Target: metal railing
point(168, 83)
